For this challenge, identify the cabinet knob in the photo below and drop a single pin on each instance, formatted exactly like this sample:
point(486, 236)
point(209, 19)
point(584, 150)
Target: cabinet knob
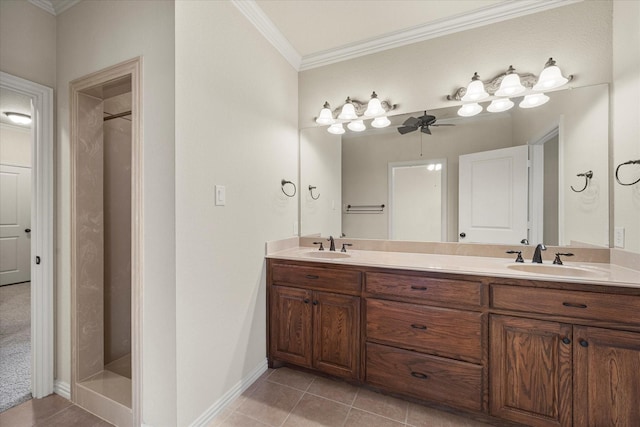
point(306, 300)
point(315, 302)
point(566, 340)
point(584, 343)
point(419, 375)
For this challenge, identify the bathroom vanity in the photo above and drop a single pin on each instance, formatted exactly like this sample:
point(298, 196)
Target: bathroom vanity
point(538, 349)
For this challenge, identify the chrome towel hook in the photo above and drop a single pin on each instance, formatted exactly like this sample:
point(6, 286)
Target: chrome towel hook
point(587, 177)
point(311, 188)
point(285, 182)
point(630, 162)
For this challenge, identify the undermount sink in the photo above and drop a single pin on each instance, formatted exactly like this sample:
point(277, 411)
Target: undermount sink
point(558, 270)
point(327, 254)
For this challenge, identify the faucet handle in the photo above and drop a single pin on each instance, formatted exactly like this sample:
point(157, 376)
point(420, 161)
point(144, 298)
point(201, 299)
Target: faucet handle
point(557, 260)
point(344, 249)
point(319, 243)
point(519, 257)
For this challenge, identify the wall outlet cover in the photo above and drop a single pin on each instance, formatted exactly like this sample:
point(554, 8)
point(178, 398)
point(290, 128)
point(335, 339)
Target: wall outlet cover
point(618, 237)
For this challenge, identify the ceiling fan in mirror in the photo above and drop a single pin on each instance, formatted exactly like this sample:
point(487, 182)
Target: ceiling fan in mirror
point(423, 123)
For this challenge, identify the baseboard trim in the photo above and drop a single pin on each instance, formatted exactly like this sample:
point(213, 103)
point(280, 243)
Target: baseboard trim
point(62, 388)
point(235, 391)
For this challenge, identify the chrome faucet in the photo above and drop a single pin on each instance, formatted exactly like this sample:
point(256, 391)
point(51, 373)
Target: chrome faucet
point(332, 246)
point(537, 256)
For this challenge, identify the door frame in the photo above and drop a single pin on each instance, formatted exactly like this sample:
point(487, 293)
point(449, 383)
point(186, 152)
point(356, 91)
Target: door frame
point(42, 240)
point(132, 68)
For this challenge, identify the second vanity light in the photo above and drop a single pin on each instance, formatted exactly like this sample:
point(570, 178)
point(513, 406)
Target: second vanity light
point(509, 85)
point(353, 113)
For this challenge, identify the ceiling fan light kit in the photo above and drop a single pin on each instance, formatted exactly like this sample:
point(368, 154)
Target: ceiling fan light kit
point(509, 85)
point(423, 123)
point(18, 118)
point(354, 112)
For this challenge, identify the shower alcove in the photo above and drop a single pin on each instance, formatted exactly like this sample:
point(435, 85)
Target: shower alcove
point(104, 141)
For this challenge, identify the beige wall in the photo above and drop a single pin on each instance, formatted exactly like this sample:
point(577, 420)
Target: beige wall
point(94, 35)
point(27, 42)
point(626, 118)
point(15, 145)
point(236, 125)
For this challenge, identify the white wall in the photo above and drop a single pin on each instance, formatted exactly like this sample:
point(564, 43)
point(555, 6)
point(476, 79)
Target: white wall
point(321, 153)
point(28, 42)
point(94, 35)
point(15, 145)
point(626, 118)
point(236, 125)
point(419, 75)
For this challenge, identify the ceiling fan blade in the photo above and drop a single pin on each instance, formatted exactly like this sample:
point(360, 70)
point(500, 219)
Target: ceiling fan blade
point(407, 129)
point(427, 119)
point(412, 121)
point(443, 124)
point(425, 129)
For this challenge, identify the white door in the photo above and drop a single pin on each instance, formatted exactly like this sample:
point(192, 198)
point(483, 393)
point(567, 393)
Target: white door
point(15, 224)
point(493, 196)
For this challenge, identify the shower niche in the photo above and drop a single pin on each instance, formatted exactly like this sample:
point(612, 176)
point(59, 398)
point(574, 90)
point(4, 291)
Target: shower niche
point(103, 185)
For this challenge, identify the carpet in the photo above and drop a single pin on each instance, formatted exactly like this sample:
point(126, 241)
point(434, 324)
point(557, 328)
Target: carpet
point(15, 344)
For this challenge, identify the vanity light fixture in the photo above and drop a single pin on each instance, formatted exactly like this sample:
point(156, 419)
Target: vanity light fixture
point(475, 90)
point(468, 110)
point(533, 100)
point(348, 111)
point(551, 77)
point(510, 85)
point(356, 126)
point(326, 116)
point(18, 118)
point(374, 107)
point(336, 129)
point(381, 122)
point(499, 105)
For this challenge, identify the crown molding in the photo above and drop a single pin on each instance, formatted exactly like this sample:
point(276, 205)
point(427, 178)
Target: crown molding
point(462, 22)
point(255, 15)
point(62, 5)
point(59, 7)
point(45, 5)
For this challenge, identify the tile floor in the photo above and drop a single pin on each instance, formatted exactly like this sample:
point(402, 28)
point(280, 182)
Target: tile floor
point(51, 411)
point(285, 397)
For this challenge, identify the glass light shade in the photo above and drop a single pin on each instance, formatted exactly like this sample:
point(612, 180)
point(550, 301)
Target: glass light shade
point(475, 91)
point(550, 78)
point(348, 111)
point(374, 107)
point(336, 129)
point(468, 110)
point(326, 116)
point(510, 86)
point(499, 105)
point(381, 122)
point(534, 100)
point(357, 126)
point(19, 118)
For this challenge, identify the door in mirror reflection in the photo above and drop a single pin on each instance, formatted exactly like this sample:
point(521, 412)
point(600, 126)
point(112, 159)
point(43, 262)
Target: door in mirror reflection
point(417, 200)
point(493, 196)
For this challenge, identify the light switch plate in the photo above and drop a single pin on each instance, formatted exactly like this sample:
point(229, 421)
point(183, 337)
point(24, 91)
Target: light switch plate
point(618, 237)
point(221, 195)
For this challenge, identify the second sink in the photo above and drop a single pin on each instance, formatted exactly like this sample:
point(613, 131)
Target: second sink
point(558, 270)
point(327, 254)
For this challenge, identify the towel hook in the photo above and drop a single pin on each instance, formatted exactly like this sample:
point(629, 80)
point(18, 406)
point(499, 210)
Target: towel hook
point(311, 188)
point(587, 177)
point(285, 182)
point(630, 162)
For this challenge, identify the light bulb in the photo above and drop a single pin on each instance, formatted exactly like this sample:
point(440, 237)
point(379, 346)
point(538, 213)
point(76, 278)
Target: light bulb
point(380, 122)
point(348, 111)
point(499, 105)
point(551, 77)
point(468, 110)
point(534, 100)
point(326, 116)
point(357, 126)
point(374, 107)
point(510, 84)
point(336, 129)
point(475, 90)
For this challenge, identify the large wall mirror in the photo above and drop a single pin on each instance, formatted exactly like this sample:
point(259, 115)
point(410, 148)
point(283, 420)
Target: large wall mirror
point(379, 184)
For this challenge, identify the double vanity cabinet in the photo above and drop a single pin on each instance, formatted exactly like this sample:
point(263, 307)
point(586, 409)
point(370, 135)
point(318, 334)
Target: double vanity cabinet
point(534, 352)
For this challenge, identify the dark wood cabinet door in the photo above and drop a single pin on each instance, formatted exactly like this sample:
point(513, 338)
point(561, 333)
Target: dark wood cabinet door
point(336, 334)
point(606, 377)
point(291, 325)
point(530, 368)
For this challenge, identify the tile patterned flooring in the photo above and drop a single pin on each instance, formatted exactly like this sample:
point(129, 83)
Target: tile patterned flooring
point(288, 398)
point(51, 411)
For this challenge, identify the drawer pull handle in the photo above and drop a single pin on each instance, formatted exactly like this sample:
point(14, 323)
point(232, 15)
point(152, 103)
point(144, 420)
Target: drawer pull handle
point(418, 288)
point(416, 326)
point(584, 343)
point(566, 340)
point(312, 276)
point(419, 375)
point(571, 304)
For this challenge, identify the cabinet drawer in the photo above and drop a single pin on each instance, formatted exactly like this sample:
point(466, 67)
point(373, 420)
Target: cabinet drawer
point(426, 377)
point(441, 331)
point(586, 305)
point(455, 292)
point(321, 278)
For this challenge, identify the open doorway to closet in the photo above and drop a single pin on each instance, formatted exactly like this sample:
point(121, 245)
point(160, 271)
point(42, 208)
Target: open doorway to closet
point(106, 235)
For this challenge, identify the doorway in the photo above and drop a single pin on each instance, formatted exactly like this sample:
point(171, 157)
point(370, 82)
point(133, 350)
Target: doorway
point(106, 209)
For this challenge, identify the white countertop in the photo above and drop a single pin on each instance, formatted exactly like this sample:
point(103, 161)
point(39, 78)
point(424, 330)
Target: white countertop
point(570, 272)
